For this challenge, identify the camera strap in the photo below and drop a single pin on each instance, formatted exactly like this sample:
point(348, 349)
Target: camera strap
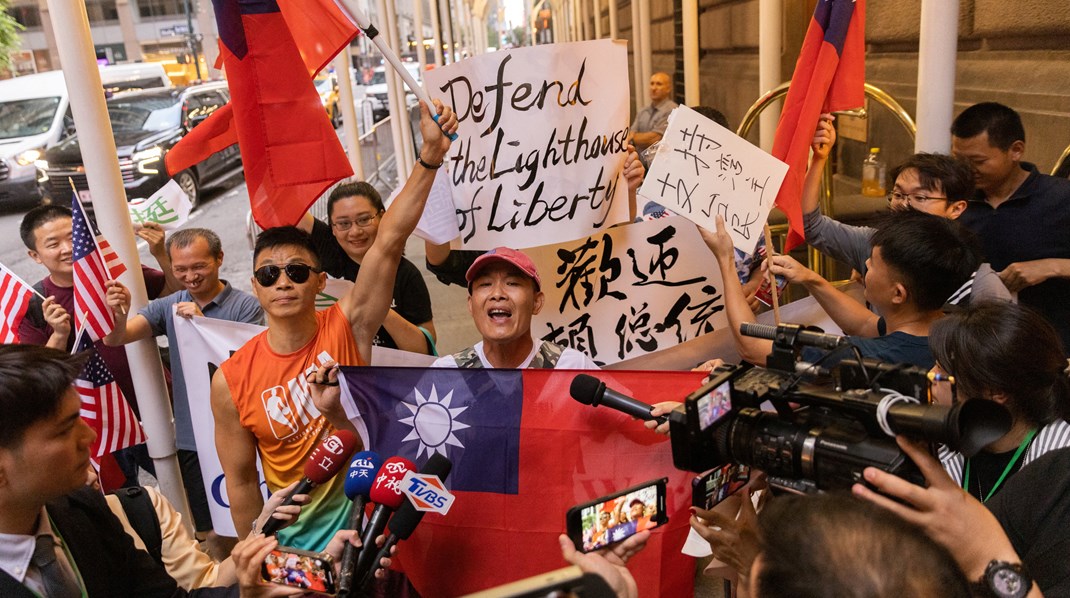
point(1006, 470)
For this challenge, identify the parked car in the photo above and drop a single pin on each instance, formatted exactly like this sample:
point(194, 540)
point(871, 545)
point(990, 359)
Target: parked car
point(146, 124)
point(35, 115)
point(376, 90)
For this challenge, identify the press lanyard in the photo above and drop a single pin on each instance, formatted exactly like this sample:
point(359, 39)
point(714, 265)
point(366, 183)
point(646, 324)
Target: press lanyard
point(1006, 470)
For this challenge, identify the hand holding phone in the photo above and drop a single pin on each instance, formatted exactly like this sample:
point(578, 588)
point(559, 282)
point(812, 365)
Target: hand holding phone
point(617, 517)
point(309, 571)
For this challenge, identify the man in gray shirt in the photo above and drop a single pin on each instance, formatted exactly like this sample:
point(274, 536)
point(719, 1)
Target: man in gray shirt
point(650, 122)
point(196, 256)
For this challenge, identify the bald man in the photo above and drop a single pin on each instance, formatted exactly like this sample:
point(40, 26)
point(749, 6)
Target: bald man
point(650, 122)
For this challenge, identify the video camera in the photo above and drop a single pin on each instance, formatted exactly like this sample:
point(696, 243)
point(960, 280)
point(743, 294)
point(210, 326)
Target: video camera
point(822, 432)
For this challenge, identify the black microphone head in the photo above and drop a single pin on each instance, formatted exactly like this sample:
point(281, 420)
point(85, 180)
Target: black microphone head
point(405, 520)
point(587, 389)
point(438, 465)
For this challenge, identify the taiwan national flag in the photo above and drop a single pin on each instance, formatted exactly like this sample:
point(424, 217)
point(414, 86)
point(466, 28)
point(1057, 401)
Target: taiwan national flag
point(523, 453)
point(829, 76)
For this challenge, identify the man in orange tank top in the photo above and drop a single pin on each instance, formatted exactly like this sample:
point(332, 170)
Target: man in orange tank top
point(260, 396)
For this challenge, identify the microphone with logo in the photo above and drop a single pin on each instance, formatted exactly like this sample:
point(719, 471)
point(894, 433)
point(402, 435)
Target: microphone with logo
point(404, 522)
point(362, 473)
point(323, 464)
point(386, 494)
point(592, 391)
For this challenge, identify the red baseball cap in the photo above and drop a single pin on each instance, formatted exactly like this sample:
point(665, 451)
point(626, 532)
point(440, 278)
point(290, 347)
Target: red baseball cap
point(510, 256)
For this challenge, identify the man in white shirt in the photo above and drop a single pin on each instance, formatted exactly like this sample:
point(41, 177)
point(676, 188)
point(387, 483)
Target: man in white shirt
point(504, 292)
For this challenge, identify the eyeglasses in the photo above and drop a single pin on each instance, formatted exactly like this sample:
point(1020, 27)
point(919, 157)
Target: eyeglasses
point(297, 273)
point(895, 197)
point(362, 222)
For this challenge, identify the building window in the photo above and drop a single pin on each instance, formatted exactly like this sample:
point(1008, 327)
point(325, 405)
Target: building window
point(161, 8)
point(27, 15)
point(101, 11)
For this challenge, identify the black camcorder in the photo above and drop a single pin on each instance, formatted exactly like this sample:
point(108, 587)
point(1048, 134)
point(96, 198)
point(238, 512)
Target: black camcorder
point(824, 427)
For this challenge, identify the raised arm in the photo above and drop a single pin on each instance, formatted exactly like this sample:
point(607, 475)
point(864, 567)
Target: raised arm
point(851, 316)
point(153, 234)
point(737, 309)
point(824, 138)
point(127, 329)
point(367, 302)
point(236, 448)
point(633, 173)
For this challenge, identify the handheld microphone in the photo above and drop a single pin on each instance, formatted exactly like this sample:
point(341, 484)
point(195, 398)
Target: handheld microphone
point(404, 522)
point(362, 473)
point(592, 391)
point(386, 493)
point(791, 334)
point(323, 464)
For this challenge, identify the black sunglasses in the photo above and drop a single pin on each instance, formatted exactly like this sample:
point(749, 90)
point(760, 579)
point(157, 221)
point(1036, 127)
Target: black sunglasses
point(297, 273)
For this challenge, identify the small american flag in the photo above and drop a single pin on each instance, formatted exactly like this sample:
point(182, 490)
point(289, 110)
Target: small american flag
point(14, 300)
point(90, 274)
point(104, 407)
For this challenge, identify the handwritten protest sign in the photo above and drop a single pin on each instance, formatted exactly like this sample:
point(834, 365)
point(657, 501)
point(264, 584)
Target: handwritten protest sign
point(169, 207)
point(629, 290)
point(702, 170)
point(542, 139)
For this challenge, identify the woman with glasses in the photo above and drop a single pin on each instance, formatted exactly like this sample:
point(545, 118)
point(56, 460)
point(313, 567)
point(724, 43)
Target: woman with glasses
point(353, 213)
point(932, 183)
point(1006, 353)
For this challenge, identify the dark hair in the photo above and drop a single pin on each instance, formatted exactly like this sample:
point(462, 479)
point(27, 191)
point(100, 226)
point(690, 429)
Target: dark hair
point(358, 189)
point(999, 347)
point(33, 381)
point(288, 236)
point(713, 114)
point(941, 173)
point(934, 255)
point(38, 217)
point(839, 545)
point(1002, 124)
point(188, 236)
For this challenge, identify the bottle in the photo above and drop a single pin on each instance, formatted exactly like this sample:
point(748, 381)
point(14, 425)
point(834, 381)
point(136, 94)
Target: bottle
point(873, 174)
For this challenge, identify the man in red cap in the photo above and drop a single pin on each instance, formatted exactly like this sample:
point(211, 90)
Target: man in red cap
point(504, 292)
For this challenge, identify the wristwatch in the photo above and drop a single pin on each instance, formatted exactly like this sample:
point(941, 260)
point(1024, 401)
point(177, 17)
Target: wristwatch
point(1004, 580)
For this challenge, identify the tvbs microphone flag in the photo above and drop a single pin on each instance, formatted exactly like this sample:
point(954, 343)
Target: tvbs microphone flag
point(289, 149)
point(829, 76)
point(523, 453)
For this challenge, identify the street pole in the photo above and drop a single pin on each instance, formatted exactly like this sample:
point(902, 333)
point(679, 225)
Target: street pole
point(937, 53)
point(191, 40)
point(75, 46)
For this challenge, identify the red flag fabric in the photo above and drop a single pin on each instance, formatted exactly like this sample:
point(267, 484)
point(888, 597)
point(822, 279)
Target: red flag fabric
point(15, 298)
point(104, 407)
point(829, 76)
point(523, 453)
point(320, 29)
point(115, 266)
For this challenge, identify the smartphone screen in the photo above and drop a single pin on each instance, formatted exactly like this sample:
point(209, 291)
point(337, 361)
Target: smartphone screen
point(309, 571)
point(615, 518)
point(707, 491)
point(714, 405)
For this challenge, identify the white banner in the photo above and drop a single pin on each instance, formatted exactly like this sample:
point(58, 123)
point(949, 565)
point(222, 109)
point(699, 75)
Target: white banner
point(169, 207)
point(542, 139)
point(207, 342)
point(628, 291)
point(702, 170)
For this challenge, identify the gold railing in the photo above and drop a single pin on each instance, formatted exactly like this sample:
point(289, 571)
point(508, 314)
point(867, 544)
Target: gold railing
point(816, 260)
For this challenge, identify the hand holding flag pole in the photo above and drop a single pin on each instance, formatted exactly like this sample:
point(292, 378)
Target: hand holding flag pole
point(372, 32)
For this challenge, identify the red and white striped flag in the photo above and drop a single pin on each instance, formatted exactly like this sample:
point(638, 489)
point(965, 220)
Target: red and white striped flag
point(115, 266)
point(104, 407)
point(91, 311)
point(14, 300)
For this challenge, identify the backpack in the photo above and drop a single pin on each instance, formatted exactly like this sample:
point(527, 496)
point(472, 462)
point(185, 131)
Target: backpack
point(139, 511)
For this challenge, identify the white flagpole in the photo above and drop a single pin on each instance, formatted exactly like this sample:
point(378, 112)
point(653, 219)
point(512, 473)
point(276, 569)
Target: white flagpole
point(75, 45)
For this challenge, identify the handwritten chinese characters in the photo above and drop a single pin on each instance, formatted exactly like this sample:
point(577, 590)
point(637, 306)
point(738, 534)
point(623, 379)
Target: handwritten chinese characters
point(703, 170)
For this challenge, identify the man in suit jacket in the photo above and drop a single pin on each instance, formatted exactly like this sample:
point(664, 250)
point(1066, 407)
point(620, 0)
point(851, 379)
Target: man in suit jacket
point(45, 507)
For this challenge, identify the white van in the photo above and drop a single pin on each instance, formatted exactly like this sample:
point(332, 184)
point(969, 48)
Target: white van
point(376, 89)
point(35, 115)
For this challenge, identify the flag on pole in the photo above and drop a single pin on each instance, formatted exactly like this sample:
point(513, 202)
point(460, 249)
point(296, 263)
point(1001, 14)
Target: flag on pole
point(104, 407)
point(112, 263)
point(91, 311)
point(829, 76)
point(289, 149)
point(15, 298)
point(523, 453)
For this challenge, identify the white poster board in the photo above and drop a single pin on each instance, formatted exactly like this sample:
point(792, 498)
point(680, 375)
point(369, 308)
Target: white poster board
point(629, 290)
point(702, 170)
point(541, 142)
point(169, 207)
